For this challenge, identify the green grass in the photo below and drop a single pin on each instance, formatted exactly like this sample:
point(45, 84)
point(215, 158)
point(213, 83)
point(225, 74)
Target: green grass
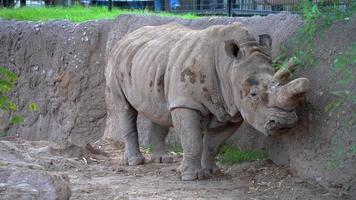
point(230, 155)
point(76, 13)
point(175, 150)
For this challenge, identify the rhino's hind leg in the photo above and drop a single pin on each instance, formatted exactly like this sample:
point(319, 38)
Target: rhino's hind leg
point(127, 121)
point(127, 124)
point(211, 143)
point(157, 139)
point(187, 123)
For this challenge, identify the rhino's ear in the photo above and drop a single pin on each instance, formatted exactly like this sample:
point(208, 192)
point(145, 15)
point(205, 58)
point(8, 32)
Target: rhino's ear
point(265, 40)
point(232, 49)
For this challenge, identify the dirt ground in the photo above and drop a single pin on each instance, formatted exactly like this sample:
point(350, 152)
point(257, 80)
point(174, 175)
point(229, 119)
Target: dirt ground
point(97, 173)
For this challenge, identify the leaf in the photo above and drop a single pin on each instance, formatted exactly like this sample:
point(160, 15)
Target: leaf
point(12, 106)
point(16, 119)
point(4, 101)
point(332, 106)
point(8, 75)
point(353, 149)
point(5, 86)
point(340, 93)
point(344, 81)
point(33, 107)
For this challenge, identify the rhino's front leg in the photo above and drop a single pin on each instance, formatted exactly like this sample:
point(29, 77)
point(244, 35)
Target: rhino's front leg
point(211, 143)
point(187, 123)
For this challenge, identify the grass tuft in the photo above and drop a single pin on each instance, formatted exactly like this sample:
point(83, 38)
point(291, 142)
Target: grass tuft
point(230, 155)
point(77, 13)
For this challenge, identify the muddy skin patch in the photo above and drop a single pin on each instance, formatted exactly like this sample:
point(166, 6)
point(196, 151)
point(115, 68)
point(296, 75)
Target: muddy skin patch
point(190, 74)
point(205, 90)
point(202, 78)
point(160, 80)
point(151, 83)
point(252, 81)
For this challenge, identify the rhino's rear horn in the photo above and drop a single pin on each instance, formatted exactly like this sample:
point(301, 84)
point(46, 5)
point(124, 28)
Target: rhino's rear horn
point(284, 74)
point(290, 94)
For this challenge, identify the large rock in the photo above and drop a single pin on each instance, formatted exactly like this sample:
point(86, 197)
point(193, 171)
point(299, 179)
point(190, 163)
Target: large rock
point(61, 66)
point(23, 173)
point(32, 185)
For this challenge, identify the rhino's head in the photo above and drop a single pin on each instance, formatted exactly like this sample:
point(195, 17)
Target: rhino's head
point(265, 99)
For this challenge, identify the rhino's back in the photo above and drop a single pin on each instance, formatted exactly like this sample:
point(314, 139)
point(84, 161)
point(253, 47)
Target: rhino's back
point(141, 64)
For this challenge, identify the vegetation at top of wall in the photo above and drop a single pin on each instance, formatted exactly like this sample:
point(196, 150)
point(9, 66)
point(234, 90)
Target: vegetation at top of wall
point(231, 155)
point(316, 19)
point(8, 108)
point(77, 13)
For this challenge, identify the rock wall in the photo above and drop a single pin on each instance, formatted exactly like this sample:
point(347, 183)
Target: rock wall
point(61, 66)
point(323, 146)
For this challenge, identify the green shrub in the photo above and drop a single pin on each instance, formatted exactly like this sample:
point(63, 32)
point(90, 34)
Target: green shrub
point(317, 18)
point(7, 81)
point(8, 108)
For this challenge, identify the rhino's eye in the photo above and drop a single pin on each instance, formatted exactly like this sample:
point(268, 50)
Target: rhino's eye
point(253, 95)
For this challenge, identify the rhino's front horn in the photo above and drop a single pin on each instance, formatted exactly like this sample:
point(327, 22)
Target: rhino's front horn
point(290, 94)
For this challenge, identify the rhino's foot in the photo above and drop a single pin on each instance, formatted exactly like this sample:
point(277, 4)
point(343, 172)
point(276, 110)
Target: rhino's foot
point(161, 158)
point(134, 160)
point(190, 174)
point(209, 172)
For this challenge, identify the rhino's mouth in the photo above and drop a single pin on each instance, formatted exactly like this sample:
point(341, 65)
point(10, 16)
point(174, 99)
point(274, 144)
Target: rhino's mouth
point(281, 124)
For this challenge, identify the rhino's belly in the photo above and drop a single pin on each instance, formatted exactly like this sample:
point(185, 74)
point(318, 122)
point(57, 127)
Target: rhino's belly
point(152, 107)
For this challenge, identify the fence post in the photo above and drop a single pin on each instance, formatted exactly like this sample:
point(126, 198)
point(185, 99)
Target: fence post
point(110, 5)
point(229, 8)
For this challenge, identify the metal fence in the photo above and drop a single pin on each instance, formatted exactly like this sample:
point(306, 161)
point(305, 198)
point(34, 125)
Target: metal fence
point(219, 7)
point(199, 7)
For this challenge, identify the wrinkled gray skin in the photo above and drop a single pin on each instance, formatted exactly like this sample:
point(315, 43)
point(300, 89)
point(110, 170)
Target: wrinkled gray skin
point(204, 83)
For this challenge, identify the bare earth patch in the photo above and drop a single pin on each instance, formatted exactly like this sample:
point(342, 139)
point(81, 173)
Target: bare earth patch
point(96, 172)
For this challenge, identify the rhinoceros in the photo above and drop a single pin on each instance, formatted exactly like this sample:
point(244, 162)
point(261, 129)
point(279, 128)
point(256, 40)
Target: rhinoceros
point(204, 83)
